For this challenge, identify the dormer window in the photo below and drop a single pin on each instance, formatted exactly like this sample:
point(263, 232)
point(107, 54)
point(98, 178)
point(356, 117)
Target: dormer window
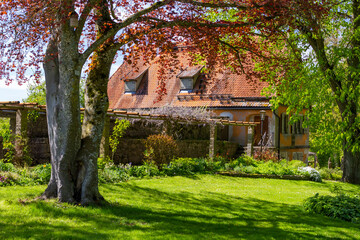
point(188, 78)
point(130, 86)
point(186, 84)
point(133, 80)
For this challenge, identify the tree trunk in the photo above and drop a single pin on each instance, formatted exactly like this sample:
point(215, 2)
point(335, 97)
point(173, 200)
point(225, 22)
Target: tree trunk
point(351, 171)
point(75, 148)
point(62, 75)
point(96, 105)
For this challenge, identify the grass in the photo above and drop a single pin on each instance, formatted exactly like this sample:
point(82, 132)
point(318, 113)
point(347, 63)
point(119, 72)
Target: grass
point(203, 207)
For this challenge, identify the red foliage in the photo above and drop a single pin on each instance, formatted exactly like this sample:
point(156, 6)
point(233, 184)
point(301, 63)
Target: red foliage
point(141, 27)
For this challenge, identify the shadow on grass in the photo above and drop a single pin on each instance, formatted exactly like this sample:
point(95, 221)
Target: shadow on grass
point(153, 214)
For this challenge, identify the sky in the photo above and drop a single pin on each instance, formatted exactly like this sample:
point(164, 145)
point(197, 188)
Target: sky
point(15, 92)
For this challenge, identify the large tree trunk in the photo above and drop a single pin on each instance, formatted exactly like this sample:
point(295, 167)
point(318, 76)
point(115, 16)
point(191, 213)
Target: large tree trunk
point(75, 148)
point(351, 163)
point(96, 105)
point(62, 74)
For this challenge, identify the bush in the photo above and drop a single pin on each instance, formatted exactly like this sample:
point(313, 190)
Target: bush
point(42, 173)
point(185, 166)
point(309, 171)
point(118, 132)
point(267, 154)
point(102, 162)
point(295, 163)
point(148, 169)
point(7, 167)
point(112, 174)
point(331, 174)
point(160, 149)
point(342, 207)
point(280, 169)
point(5, 181)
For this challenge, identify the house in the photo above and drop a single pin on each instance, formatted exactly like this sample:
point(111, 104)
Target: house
point(225, 93)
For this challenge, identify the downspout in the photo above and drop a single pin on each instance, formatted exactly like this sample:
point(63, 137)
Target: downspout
point(278, 134)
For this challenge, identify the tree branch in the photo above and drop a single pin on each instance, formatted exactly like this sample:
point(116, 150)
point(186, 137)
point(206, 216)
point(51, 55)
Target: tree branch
point(84, 15)
point(116, 27)
point(220, 4)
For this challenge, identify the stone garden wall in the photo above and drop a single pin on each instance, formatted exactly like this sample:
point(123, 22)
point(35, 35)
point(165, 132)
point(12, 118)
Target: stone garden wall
point(193, 140)
point(132, 150)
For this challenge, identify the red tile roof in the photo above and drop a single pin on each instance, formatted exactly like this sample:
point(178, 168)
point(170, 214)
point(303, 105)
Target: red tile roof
point(224, 89)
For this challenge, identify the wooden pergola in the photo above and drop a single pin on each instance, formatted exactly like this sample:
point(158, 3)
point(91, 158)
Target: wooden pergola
point(19, 111)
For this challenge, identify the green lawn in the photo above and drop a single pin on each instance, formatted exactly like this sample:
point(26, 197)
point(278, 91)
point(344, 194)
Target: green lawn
point(204, 207)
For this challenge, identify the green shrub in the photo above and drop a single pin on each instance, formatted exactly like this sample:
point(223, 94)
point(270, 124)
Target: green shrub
point(102, 162)
point(112, 174)
point(331, 174)
point(185, 166)
point(42, 173)
point(160, 149)
point(118, 132)
point(7, 167)
point(342, 207)
point(295, 163)
point(148, 169)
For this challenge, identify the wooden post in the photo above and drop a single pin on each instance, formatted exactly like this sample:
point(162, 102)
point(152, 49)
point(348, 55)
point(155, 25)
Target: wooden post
point(250, 141)
point(104, 145)
point(21, 138)
point(213, 137)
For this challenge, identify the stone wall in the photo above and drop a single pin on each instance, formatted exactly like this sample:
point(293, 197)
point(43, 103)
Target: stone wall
point(143, 129)
point(132, 150)
point(193, 140)
point(39, 150)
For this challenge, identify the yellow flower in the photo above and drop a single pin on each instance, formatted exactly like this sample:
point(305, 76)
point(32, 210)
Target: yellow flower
point(44, 165)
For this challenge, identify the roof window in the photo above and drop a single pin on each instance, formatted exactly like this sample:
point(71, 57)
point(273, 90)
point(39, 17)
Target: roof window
point(188, 78)
point(132, 81)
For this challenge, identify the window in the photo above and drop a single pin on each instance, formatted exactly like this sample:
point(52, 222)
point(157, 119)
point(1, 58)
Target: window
point(295, 128)
point(186, 83)
point(188, 78)
point(133, 79)
point(130, 86)
point(284, 155)
point(298, 156)
point(285, 128)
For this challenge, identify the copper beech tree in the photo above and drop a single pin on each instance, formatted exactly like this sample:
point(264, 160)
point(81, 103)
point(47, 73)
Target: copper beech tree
point(61, 36)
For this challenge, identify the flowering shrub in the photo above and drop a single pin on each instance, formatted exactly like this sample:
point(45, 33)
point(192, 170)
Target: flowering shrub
point(266, 154)
point(5, 181)
point(312, 172)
